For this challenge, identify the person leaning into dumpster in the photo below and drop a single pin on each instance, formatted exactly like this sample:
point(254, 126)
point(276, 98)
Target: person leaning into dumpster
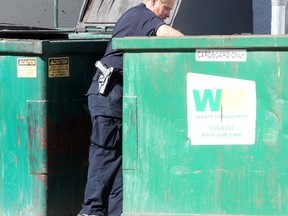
point(103, 192)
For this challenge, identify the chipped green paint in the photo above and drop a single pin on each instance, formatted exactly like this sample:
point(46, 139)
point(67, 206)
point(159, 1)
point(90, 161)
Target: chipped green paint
point(164, 173)
point(44, 126)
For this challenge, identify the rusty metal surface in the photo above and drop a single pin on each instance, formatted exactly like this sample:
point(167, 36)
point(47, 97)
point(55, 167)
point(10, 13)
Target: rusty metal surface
point(107, 11)
point(44, 134)
point(215, 144)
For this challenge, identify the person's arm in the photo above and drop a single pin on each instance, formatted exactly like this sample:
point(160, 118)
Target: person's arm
point(165, 30)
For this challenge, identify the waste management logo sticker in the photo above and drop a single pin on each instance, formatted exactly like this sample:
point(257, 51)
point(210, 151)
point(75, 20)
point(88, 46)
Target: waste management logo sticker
point(221, 111)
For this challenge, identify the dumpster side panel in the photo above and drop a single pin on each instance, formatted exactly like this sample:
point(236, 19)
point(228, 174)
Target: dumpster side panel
point(173, 175)
point(45, 130)
point(161, 110)
point(18, 187)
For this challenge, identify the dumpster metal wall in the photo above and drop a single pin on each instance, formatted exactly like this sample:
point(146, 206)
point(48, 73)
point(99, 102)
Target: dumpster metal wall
point(234, 161)
point(41, 12)
point(44, 124)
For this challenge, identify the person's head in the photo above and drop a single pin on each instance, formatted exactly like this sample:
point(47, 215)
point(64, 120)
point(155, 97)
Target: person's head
point(161, 8)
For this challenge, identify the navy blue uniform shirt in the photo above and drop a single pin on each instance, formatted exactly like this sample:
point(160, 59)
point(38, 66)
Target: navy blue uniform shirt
point(137, 21)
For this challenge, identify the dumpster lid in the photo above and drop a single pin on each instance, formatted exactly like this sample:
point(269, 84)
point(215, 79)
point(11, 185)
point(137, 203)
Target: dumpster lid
point(101, 15)
point(10, 30)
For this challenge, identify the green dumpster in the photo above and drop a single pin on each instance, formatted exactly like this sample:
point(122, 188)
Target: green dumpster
point(205, 127)
point(44, 124)
point(44, 120)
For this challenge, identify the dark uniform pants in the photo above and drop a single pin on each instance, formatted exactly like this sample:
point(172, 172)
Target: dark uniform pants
point(104, 182)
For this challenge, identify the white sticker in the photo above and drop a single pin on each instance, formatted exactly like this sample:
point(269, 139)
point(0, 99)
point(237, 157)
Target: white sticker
point(26, 67)
point(220, 110)
point(221, 55)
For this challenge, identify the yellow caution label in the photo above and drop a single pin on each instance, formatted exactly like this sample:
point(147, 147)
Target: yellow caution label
point(26, 67)
point(58, 67)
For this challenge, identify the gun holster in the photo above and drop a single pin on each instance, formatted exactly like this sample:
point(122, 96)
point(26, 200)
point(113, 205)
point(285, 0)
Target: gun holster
point(105, 76)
